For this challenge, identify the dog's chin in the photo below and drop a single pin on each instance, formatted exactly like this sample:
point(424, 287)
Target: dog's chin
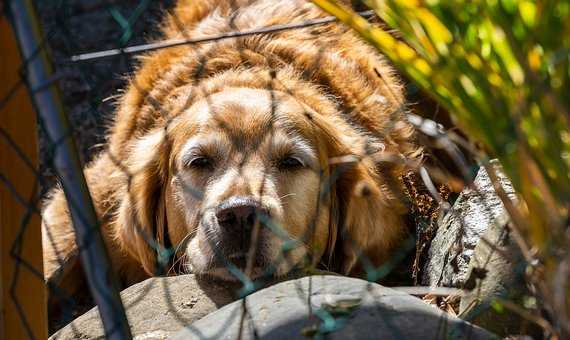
point(239, 275)
point(233, 269)
point(260, 271)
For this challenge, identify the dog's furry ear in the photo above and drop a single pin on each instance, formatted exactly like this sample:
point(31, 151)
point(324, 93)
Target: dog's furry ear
point(141, 217)
point(367, 213)
point(371, 215)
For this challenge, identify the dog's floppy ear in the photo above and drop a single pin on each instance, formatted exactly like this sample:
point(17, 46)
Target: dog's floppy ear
point(367, 214)
point(371, 215)
point(141, 217)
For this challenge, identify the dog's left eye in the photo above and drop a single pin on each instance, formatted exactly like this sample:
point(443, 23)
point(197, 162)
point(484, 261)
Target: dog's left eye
point(290, 163)
point(200, 162)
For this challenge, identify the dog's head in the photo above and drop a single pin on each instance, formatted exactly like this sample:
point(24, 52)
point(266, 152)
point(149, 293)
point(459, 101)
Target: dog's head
point(257, 181)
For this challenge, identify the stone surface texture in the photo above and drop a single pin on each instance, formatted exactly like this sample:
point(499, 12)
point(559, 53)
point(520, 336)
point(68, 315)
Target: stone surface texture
point(332, 306)
point(157, 308)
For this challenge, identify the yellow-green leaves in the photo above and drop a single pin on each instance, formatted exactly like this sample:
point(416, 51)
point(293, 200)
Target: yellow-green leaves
point(527, 10)
point(438, 33)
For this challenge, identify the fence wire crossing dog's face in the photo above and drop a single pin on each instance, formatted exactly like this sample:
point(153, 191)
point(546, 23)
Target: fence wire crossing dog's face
point(248, 180)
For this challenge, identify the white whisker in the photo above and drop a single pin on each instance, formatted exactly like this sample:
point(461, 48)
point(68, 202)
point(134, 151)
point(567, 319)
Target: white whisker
point(288, 195)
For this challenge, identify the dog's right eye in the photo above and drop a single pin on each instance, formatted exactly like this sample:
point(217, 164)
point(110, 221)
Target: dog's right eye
point(290, 163)
point(200, 163)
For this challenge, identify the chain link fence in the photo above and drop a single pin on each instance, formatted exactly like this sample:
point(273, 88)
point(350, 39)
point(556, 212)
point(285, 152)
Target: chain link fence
point(94, 47)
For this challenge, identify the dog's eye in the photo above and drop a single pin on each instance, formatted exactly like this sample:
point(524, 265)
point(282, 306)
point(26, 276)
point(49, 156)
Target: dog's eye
point(289, 163)
point(200, 162)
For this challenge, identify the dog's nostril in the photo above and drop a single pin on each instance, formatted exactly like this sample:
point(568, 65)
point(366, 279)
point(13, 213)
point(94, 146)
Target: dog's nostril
point(236, 215)
point(250, 221)
point(239, 214)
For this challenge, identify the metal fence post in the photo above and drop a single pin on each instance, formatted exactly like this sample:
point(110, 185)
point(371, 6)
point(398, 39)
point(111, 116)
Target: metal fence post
point(93, 253)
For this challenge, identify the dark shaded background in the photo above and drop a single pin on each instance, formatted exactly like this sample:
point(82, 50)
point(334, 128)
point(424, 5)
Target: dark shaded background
point(78, 26)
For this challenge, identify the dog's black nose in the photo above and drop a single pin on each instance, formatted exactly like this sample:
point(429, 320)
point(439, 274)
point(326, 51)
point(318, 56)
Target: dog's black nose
point(239, 215)
point(237, 218)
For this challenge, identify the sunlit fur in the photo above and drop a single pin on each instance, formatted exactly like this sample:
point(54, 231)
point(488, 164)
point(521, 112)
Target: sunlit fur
point(319, 93)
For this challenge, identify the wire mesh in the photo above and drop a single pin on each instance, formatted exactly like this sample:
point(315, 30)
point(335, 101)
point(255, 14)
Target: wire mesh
point(94, 45)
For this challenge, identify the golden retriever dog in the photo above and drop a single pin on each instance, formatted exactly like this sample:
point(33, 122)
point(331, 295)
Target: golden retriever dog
point(257, 154)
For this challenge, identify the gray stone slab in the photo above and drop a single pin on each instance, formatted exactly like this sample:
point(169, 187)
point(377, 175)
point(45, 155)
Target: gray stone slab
point(157, 308)
point(340, 307)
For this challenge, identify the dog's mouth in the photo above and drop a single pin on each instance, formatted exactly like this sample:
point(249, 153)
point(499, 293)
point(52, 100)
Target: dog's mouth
point(237, 266)
point(230, 264)
point(240, 261)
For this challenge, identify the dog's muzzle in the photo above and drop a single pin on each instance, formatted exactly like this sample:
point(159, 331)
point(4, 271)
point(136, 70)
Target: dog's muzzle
point(237, 218)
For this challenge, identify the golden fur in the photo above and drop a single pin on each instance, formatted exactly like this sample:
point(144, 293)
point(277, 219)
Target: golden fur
point(319, 93)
